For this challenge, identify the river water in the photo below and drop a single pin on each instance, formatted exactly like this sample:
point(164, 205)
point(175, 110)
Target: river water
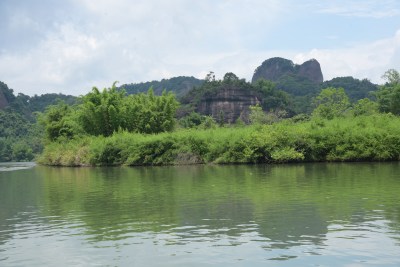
point(332, 214)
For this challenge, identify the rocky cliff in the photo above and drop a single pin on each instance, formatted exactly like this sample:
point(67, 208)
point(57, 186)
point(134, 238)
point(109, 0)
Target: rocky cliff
point(228, 104)
point(276, 68)
point(3, 100)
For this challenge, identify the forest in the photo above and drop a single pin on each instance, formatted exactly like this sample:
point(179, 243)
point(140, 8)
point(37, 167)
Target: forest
point(113, 127)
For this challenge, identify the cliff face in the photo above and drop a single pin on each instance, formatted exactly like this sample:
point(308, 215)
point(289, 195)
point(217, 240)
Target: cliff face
point(312, 70)
point(3, 100)
point(228, 104)
point(274, 69)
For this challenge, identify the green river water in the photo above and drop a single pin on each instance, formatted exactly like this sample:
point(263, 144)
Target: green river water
point(325, 214)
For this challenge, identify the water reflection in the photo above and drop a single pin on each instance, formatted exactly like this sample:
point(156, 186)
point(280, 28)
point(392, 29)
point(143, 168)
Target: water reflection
point(245, 214)
point(14, 166)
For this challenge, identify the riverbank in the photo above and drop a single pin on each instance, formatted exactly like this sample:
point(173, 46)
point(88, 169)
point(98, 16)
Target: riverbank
point(369, 138)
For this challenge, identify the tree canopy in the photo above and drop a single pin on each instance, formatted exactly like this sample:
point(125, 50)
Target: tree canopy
point(331, 103)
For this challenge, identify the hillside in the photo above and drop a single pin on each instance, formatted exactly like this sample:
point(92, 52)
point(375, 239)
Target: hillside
point(356, 89)
point(178, 85)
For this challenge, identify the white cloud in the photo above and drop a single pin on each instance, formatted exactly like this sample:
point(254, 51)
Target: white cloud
point(87, 43)
point(369, 60)
point(364, 9)
point(133, 41)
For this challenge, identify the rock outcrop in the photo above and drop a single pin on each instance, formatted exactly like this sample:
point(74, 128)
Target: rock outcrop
point(228, 104)
point(3, 100)
point(274, 69)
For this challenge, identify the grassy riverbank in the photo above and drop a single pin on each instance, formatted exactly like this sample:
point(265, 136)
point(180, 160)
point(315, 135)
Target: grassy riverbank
point(363, 138)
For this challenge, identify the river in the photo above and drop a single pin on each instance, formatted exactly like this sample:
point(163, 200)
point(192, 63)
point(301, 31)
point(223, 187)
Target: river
point(324, 214)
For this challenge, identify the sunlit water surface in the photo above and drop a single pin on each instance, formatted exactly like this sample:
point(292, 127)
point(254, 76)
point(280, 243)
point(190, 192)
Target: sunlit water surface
point(282, 215)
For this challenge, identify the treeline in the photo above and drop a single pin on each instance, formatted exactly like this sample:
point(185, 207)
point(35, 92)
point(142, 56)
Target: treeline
point(336, 130)
point(178, 85)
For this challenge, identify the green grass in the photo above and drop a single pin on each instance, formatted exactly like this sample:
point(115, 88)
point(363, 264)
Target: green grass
point(370, 138)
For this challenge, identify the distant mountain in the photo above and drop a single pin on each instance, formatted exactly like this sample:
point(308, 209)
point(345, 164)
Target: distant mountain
point(178, 85)
point(288, 76)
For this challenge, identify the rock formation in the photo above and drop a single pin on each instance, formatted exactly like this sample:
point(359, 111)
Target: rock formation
point(3, 100)
point(228, 104)
point(274, 69)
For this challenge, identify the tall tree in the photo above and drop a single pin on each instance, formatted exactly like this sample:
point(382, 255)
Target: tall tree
point(330, 103)
point(388, 95)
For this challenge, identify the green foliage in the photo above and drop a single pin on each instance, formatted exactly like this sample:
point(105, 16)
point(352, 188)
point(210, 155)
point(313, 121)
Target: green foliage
point(331, 103)
point(177, 85)
point(192, 120)
point(59, 122)
point(147, 113)
point(271, 98)
point(375, 137)
point(39, 103)
point(388, 97)
point(19, 138)
point(257, 115)
point(392, 76)
point(99, 111)
point(297, 85)
point(365, 107)
point(355, 89)
point(109, 111)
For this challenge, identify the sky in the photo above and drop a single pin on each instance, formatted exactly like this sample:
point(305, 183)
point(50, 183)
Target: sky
point(69, 46)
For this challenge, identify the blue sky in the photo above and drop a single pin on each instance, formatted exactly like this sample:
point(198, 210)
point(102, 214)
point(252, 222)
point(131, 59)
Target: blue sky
point(72, 45)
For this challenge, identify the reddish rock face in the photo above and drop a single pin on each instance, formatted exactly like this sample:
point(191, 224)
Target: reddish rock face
point(311, 70)
point(275, 68)
point(228, 104)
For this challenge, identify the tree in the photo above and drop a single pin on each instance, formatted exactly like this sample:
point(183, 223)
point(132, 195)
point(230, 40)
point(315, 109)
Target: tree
point(257, 115)
point(365, 106)
point(330, 103)
point(392, 76)
point(59, 122)
point(99, 111)
point(272, 99)
point(230, 77)
point(210, 77)
point(388, 95)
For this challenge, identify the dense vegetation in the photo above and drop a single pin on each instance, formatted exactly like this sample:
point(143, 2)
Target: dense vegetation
point(178, 85)
point(111, 127)
point(271, 98)
point(365, 138)
point(20, 136)
point(335, 131)
point(109, 111)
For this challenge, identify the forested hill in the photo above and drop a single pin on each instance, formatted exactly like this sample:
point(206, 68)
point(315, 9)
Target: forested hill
point(20, 135)
point(356, 89)
point(178, 85)
point(26, 105)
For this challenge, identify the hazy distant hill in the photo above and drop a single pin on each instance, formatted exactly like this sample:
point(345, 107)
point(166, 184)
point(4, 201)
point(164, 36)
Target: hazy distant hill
point(179, 85)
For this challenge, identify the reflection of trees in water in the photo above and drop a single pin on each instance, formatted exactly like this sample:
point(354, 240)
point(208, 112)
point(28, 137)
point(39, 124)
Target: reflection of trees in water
point(20, 194)
point(228, 217)
point(291, 225)
point(286, 205)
